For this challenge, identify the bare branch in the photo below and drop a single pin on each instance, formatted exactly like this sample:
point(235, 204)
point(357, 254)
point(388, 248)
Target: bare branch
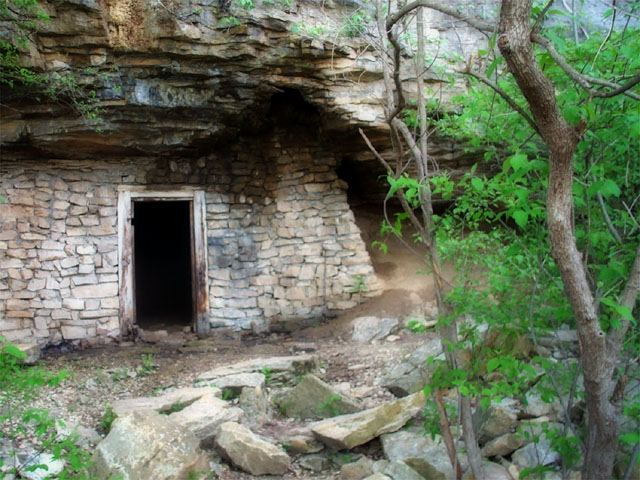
point(540, 18)
point(628, 298)
point(512, 103)
point(606, 39)
point(475, 22)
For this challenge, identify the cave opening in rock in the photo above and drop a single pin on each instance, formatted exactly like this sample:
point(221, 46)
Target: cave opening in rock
point(163, 264)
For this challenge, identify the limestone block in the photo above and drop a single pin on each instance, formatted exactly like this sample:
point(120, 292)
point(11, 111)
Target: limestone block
point(348, 431)
point(148, 445)
point(205, 416)
point(250, 452)
point(95, 291)
point(70, 332)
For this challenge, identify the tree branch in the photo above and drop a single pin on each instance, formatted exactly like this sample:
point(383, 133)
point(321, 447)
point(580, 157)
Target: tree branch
point(494, 86)
point(475, 22)
point(584, 80)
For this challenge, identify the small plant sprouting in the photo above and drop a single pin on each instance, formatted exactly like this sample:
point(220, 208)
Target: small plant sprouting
point(329, 406)
point(267, 371)
point(229, 394)
point(173, 408)
point(359, 284)
point(107, 420)
point(147, 366)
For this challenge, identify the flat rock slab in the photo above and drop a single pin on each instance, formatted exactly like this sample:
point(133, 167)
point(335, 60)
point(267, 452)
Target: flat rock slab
point(348, 431)
point(369, 329)
point(204, 416)
point(163, 403)
point(313, 398)
point(249, 452)
point(299, 364)
point(240, 380)
point(147, 445)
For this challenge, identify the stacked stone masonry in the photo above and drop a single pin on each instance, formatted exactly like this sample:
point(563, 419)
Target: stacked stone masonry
point(282, 243)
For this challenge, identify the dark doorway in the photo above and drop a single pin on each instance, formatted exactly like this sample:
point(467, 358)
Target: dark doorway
point(162, 262)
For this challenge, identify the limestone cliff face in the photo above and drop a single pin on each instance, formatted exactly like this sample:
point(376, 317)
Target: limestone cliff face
point(185, 76)
point(249, 117)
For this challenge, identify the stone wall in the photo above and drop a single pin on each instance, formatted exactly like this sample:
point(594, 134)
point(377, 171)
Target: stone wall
point(282, 241)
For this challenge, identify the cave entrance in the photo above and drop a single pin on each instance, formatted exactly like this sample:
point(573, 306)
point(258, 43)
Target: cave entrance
point(162, 263)
point(163, 260)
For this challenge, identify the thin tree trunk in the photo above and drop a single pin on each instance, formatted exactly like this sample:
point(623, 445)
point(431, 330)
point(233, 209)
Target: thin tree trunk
point(514, 41)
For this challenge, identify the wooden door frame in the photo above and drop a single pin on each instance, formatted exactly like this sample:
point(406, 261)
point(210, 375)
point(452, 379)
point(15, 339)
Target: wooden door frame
point(200, 288)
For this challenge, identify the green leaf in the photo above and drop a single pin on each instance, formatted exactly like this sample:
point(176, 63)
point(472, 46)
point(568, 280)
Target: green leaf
point(477, 184)
point(518, 161)
point(632, 437)
point(493, 364)
point(14, 351)
point(609, 188)
point(521, 217)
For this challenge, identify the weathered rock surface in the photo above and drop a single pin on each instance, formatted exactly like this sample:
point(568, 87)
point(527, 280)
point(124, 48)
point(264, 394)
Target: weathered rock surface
point(357, 470)
point(313, 398)
point(145, 444)
point(369, 329)
point(50, 467)
point(399, 470)
point(497, 419)
point(314, 462)
point(348, 431)
point(413, 374)
point(181, 397)
point(534, 454)
point(256, 406)
point(204, 416)
point(493, 471)
point(31, 350)
point(249, 452)
point(238, 381)
point(295, 365)
point(427, 457)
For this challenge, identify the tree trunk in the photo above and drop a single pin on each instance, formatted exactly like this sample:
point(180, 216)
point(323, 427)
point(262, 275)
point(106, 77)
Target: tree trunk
point(515, 44)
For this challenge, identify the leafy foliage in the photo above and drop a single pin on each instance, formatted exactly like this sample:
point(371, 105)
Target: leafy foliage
point(20, 385)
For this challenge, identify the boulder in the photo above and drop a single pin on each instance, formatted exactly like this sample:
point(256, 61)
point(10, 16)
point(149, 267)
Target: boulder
point(413, 374)
point(314, 463)
point(295, 365)
point(238, 381)
point(145, 445)
point(249, 452)
point(503, 445)
point(31, 350)
point(255, 405)
point(357, 470)
point(49, 466)
point(536, 407)
point(497, 419)
point(204, 417)
point(302, 443)
point(493, 471)
point(426, 456)
point(369, 329)
point(535, 454)
point(313, 398)
point(401, 471)
point(164, 403)
point(348, 431)
point(377, 476)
